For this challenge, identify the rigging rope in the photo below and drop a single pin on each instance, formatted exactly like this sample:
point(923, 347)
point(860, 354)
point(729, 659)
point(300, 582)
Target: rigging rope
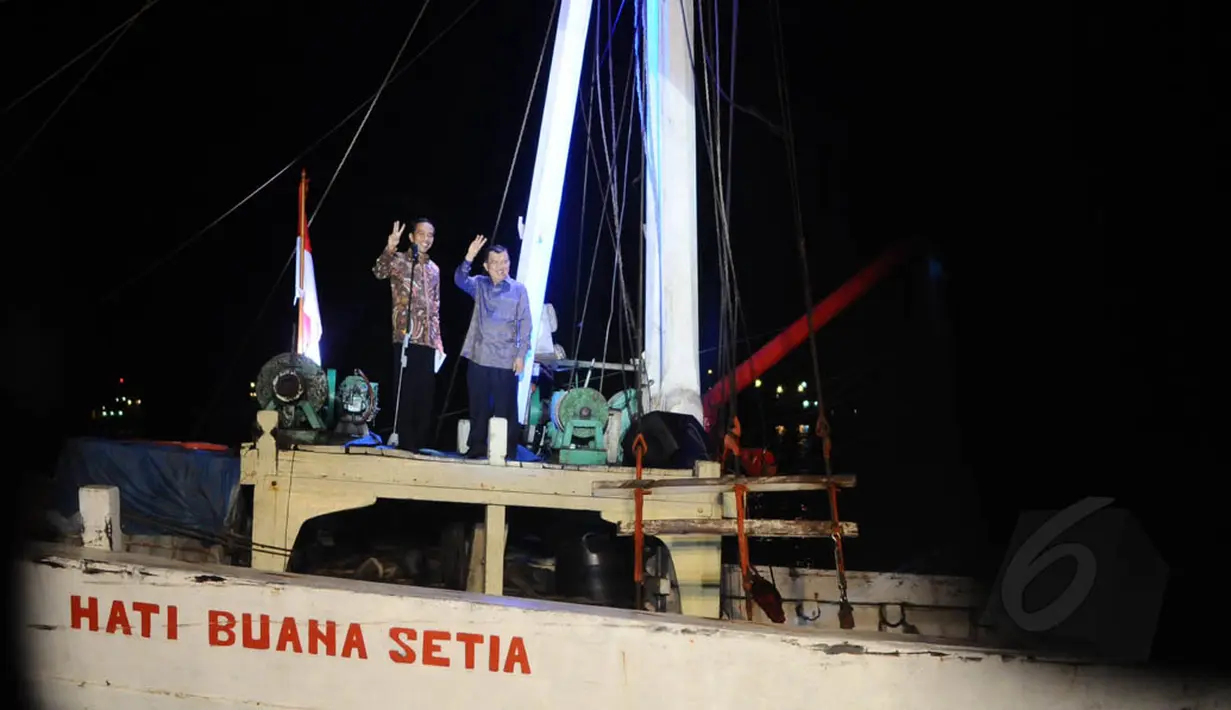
point(585, 192)
point(123, 25)
point(521, 133)
point(731, 100)
point(641, 88)
point(609, 188)
point(739, 315)
point(845, 613)
point(21, 152)
point(728, 322)
point(639, 336)
point(640, 447)
point(735, 307)
point(273, 289)
point(784, 100)
point(618, 203)
point(371, 106)
point(614, 199)
point(731, 306)
point(162, 261)
point(440, 420)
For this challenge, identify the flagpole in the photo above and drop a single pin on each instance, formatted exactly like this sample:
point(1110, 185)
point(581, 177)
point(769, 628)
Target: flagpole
point(303, 228)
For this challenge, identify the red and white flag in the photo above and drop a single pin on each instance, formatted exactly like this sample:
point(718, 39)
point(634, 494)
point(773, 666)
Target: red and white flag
point(308, 340)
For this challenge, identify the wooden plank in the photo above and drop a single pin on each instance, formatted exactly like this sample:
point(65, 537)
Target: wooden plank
point(723, 484)
point(752, 527)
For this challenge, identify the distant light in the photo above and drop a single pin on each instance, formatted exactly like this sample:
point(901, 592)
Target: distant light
point(856, 410)
point(779, 389)
point(757, 383)
point(936, 270)
point(806, 404)
point(251, 385)
point(138, 403)
point(803, 386)
point(121, 380)
point(709, 372)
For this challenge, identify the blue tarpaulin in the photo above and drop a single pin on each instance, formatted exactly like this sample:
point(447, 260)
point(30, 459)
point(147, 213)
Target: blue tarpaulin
point(165, 488)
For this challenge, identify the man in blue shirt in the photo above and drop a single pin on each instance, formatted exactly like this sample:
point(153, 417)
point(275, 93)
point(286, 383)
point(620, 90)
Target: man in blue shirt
point(496, 345)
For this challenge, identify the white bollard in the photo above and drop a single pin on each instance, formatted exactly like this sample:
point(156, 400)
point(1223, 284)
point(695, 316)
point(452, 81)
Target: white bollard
point(463, 436)
point(100, 518)
point(611, 435)
point(497, 440)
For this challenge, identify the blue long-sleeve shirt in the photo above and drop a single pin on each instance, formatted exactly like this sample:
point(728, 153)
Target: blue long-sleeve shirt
point(499, 330)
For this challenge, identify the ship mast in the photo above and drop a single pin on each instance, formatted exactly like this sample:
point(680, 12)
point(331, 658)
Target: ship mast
point(672, 339)
point(667, 81)
point(538, 235)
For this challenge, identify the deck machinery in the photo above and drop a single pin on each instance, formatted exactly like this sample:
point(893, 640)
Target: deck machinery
point(582, 427)
point(312, 407)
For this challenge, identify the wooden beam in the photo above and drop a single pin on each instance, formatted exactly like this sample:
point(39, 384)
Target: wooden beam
point(752, 527)
point(723, 484)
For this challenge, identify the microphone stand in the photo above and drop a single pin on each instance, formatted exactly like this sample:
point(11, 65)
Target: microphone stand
point(397, 403)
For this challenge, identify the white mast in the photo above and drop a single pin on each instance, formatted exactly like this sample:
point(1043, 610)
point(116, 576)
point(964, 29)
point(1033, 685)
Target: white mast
point(672, 340)
point(551, 158)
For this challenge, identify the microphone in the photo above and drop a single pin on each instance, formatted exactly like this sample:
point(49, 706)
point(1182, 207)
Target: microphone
point(414, 251)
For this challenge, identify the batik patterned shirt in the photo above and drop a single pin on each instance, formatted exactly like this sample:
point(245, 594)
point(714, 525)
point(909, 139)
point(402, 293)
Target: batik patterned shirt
point(423, 296)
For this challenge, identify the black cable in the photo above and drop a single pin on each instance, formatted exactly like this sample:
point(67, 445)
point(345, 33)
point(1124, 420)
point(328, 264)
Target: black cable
point(534, 87)
point(619, 198)
point(585, 190)
point(731, 103)
point(508, 180)
point(162, 261)
point(726, 195)
point(616, 226)
point(712, 131)
point(639, 340)
point(607, 205)
point(371, 106)
point(74, 60)
point(21, 152)
point(785, 104)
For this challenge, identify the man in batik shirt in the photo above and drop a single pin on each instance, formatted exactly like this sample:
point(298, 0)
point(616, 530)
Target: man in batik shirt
point(414, 280)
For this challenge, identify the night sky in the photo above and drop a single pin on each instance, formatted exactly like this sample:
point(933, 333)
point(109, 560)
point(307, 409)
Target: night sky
point(1052, 340)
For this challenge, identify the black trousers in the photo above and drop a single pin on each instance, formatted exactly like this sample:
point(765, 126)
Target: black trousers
point(414, 413)
point(493, 393)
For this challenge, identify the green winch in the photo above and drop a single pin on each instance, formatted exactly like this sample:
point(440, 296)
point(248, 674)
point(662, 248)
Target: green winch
point(577, 423)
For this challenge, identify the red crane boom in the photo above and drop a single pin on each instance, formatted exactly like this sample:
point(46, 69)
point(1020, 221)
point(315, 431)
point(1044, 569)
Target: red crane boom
point(796, 333)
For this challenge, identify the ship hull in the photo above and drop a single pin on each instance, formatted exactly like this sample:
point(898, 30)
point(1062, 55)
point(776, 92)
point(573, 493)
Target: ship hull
point(114, 630)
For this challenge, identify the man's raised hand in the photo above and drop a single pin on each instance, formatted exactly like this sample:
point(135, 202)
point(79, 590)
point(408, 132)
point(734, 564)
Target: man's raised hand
point(395, 237)
point(475, 246)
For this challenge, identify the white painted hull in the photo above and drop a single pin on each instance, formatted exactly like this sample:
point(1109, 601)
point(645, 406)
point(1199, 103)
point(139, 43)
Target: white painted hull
point(550, 655)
